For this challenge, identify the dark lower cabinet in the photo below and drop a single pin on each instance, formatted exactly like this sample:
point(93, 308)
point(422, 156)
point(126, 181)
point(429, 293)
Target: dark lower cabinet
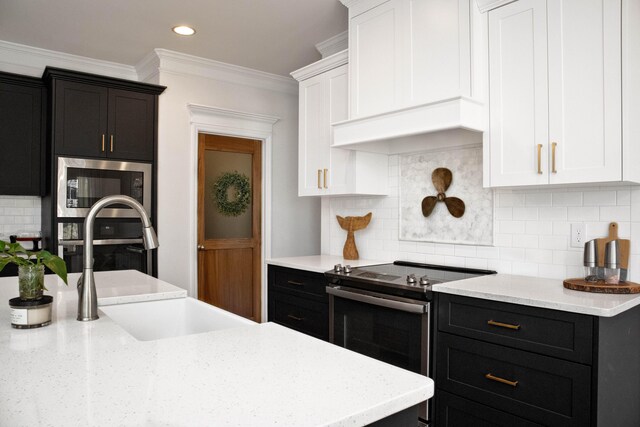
point(499, 364)
point(22, 135)
point(297, 300)
point(455, 411)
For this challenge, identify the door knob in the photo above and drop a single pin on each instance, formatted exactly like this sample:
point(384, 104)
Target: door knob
point(200, 247)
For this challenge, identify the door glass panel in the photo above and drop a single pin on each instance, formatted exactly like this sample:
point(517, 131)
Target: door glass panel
point(221, 224)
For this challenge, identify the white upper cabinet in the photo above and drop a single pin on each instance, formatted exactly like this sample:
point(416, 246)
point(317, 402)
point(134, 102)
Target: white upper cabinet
point(375, 60)
point(555, 78)
point(412, 70)
point(323, 170)
point(518, 85)
point(585, 90)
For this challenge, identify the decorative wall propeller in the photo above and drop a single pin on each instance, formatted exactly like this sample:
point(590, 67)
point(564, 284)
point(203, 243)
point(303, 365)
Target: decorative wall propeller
point(441, 178)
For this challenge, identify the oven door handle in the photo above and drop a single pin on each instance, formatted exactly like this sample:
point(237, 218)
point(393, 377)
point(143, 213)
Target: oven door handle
point(417, 307)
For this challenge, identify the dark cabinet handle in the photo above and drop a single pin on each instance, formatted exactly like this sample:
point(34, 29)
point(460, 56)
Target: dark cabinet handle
point(292, 282)
point(296, 318)
point(501, 380)
point(503, 325)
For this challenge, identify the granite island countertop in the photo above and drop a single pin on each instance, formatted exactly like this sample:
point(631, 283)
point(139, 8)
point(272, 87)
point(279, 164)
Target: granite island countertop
point(539, 292)
point(94, 373)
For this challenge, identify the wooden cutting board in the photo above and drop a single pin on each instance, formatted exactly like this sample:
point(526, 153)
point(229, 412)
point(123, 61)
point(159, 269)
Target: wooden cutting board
point(601, 287)
point(624, 245)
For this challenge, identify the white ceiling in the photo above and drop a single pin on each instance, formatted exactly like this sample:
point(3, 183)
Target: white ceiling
point(276, 36)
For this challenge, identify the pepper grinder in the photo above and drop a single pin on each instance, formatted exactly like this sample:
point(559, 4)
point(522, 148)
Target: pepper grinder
point(612, 263)
point(591, 261)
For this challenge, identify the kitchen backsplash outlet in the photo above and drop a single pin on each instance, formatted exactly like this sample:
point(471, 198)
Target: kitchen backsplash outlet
point(532, 229)
point(19, 214)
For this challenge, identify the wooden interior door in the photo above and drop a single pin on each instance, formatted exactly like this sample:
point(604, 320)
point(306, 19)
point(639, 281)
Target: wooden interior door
point(229, 255)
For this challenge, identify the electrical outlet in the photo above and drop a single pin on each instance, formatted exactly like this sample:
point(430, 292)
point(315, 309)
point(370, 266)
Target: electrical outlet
point(578, 234)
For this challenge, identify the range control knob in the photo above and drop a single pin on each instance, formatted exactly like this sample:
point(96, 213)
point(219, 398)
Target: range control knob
point(424, 281)
point(337, 268)
point(346, 269)
point(411, 279)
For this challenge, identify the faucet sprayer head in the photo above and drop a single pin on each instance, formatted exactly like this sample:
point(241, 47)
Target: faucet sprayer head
point(149, 238)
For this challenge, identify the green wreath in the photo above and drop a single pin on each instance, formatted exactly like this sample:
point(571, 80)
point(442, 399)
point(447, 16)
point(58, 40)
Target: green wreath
point(242, 187)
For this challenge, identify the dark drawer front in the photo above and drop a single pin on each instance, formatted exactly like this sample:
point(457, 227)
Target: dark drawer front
point(543, 389)
point(299, 281)
point(554, 333)
point(303, 315)
point(454, 411)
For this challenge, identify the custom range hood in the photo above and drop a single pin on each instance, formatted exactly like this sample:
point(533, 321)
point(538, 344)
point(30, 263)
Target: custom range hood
point(415, 76)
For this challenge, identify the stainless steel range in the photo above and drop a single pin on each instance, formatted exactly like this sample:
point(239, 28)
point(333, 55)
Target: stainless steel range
point(384, 311)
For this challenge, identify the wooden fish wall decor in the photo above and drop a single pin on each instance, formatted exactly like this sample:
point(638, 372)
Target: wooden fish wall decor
point(351, 224)
point(441, 178)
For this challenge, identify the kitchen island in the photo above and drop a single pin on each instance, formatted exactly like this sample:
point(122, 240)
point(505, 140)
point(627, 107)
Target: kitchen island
point(95, 373)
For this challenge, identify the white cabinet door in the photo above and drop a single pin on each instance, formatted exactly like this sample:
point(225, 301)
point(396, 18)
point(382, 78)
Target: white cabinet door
point(375, 60)
point(439, 52)
point(585, 88)
point(314, 141)
point(518, 94)
point(337, 81)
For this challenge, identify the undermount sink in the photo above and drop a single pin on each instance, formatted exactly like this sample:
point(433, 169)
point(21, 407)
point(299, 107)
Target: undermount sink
point(148, 321)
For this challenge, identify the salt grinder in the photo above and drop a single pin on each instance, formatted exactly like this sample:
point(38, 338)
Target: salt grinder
point(612, 263)
point(591, 261)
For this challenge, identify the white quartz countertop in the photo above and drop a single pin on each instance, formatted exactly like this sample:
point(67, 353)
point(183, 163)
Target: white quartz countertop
point(538, 292)
point(73, 373)
point(321, 263)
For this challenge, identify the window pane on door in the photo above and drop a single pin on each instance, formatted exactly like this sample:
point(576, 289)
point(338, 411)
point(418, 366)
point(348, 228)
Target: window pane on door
point(217, 224)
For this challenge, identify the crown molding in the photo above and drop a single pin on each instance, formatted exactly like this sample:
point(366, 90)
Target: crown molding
point(147, 68)
point(231, 118)
point(333, 45)
point(29, 60)
point(181, 63)
point(319, 67)
point(487, 5)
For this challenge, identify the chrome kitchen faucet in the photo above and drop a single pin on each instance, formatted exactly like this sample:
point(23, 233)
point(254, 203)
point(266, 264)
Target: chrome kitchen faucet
point(87, 298)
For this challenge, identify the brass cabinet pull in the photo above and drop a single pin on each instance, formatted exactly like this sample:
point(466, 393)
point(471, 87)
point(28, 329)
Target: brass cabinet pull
point(501, 380)
point(540, 159)
point(296, 318)
point(503, 325)
point(292, 282)
point(319, 177)
point(112, 143)
point(553, 157)
point(325, 178)
point(103, 142)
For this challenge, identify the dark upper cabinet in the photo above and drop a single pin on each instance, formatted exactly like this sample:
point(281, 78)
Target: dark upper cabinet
point(80, 127)
point(96, 116)
point(22, 125)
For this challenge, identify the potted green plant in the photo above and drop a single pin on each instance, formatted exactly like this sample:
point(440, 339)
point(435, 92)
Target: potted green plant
point(31, 268)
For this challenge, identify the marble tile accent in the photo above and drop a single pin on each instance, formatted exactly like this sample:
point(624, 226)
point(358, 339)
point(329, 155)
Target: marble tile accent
point(474, 227)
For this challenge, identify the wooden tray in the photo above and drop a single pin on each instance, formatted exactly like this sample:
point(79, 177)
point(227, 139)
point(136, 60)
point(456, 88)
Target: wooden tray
point(601, 287)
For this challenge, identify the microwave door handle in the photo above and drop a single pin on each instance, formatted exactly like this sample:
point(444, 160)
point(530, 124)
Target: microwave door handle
point(408, 307)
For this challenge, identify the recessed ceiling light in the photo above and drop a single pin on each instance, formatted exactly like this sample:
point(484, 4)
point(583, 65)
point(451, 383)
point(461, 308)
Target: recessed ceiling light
point(183, 30)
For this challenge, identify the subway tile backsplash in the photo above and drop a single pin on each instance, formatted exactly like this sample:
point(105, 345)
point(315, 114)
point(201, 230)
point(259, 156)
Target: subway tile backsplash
point(19, 214)
point(532, 229)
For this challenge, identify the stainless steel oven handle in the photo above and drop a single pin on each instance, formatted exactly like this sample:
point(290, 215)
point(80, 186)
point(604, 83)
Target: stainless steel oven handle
point(62, 242)
point(408, 307)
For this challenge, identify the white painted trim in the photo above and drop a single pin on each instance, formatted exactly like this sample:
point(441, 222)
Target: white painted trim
point(487, 5)
point(222, 121)
point(324, 65)
point(333, 45)
point(181, 63)
point(29, 60)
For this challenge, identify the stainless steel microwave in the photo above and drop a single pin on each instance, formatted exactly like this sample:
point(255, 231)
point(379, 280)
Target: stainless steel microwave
point(82, 182)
